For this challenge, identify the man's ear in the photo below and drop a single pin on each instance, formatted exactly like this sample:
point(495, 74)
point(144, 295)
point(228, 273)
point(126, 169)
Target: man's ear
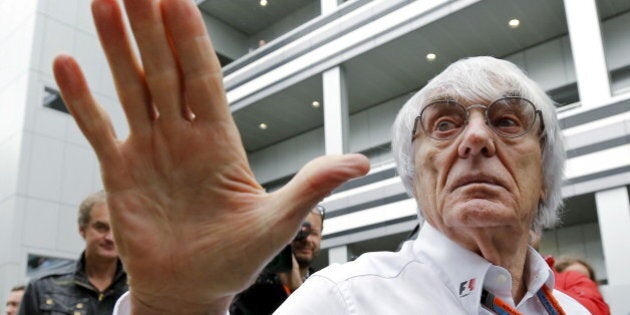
point(82, 232)
point(543, 194)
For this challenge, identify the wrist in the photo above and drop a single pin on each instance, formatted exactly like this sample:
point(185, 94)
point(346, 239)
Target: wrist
point(177, 305)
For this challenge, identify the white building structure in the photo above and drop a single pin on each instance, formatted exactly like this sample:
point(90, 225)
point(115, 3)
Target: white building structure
point(324, 77)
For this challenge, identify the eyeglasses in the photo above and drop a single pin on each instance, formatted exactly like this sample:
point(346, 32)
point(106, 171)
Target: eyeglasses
point(508, 117)
point(321, 211)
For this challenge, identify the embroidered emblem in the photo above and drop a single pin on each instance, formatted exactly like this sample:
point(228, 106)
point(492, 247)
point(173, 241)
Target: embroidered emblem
point(466, 287)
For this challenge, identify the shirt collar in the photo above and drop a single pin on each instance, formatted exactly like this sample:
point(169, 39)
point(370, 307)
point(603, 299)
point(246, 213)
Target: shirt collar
point(465, 273)
point(461, 270)
point(539, 273)
point(80, 275)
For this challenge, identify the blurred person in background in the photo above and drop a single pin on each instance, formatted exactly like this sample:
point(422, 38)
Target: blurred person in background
point(94, 283)
point(575, 264)
point(13, 300)
point(576, 278)
point(286, 273)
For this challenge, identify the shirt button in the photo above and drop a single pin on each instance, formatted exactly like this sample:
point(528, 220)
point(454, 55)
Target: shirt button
point(501, 279)
point(49, 301)
point(77, 313)
point(80, 305)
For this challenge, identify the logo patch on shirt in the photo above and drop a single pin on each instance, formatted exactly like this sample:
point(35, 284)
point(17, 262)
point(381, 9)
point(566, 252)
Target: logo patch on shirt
point(466, 287)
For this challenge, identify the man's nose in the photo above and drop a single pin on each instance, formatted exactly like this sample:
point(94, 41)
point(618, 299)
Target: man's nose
point(109, 236)
point(312, 238)
point(477, 137)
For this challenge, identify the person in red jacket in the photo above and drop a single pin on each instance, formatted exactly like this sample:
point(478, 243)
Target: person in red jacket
point(576, 278)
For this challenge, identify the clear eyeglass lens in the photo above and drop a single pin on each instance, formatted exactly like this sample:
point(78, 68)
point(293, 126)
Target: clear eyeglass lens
point(443, 120)
point(511, 117)
point(508, 117)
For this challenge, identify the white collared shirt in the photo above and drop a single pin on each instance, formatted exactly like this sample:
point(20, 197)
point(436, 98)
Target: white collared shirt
point(432, 275)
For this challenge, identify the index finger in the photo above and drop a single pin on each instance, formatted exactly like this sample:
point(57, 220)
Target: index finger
point(91, 118)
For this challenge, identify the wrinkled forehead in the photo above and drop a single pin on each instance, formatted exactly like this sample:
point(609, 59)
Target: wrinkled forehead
point(469, 96)
point(473, 87)
point(470, 99)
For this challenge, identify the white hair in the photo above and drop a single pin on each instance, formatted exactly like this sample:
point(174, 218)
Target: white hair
point(486, 78)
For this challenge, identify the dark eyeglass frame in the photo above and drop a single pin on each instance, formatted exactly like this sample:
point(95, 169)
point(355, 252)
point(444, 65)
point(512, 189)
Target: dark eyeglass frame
point(537, 113)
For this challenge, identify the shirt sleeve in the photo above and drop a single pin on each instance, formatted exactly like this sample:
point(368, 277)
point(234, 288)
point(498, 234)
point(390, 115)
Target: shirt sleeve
point(122, 305)
point(318, 295)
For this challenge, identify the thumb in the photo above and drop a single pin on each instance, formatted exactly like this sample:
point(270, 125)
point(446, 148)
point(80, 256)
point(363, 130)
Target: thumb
point(315, 181)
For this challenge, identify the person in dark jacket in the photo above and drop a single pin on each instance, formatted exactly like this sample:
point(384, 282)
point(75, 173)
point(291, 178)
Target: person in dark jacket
point(270, 288)
point(94, 283)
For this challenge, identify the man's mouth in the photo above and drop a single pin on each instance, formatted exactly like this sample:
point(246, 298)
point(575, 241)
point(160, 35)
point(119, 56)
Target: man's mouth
point(108, 246)
point(303, 250)
point(476, 179)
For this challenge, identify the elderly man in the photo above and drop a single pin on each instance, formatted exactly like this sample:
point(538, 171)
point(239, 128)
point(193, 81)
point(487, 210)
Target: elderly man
point(479, 148)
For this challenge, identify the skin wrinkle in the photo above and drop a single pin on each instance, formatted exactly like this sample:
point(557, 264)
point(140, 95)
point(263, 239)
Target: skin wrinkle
point(246, 193)
point(207, 81)
point(181, 236)
point(200, 247)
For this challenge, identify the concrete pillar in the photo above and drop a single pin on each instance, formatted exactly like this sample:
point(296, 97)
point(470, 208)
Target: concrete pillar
point(338, 255)
point(588, 51)
point(16, 81)
point(335, 111)
point(613, 211)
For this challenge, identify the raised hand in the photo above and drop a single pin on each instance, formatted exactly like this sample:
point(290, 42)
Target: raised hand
point(192, 225)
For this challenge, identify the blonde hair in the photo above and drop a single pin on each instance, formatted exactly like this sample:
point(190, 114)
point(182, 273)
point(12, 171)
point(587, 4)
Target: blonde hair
point(85, 209)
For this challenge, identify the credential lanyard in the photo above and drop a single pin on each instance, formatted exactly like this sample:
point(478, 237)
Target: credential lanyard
point(500, 307)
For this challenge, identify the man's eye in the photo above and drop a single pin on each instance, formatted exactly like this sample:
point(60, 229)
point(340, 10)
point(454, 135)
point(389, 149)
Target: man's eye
point(445, 125)
point(506, 122)
point(101, 227)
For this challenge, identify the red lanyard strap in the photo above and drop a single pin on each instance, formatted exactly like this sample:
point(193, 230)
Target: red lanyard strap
point(500, 307)
point(496, 305)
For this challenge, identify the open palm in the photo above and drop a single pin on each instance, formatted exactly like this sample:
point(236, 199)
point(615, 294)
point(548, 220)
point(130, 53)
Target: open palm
point(192, 225)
